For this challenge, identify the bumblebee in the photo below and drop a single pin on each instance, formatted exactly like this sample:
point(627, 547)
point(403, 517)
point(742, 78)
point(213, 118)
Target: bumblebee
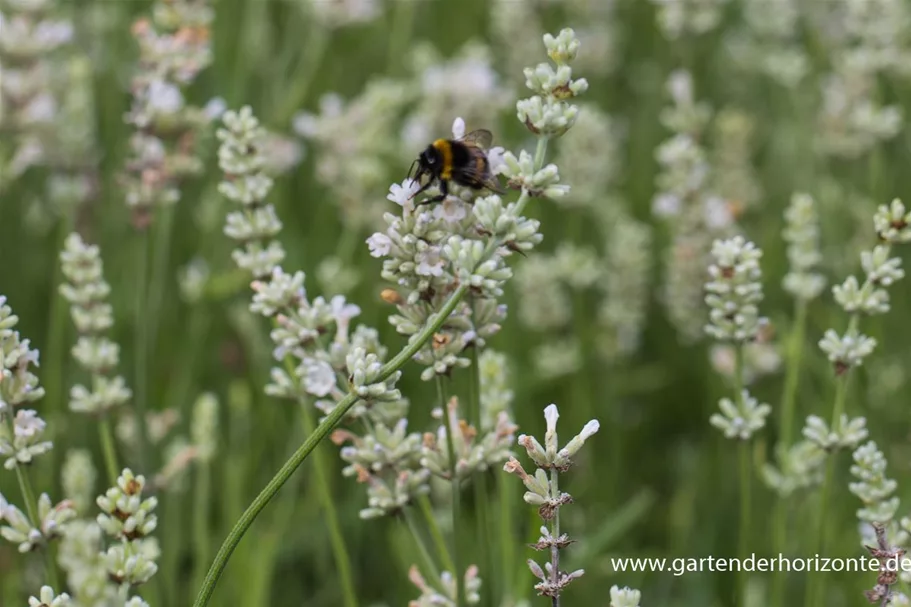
point(463, 161)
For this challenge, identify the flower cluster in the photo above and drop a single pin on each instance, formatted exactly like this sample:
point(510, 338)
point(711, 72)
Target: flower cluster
point(22, 431)
point(870, 297)
point(679, 18)
point(802, 236)
point(741, 419)
point(798, 468)
point(847, 433)
point(865, 40)
point(543, 491)
point(734, 291)
point(872, 486)
point(388, 461)
point(87, 292)
point(48, 598)
point(354, 138)
point(473, 450)
point(548, 113)
point(29, 37)
point(685, 199)
point(174, 46)
point(768, 43)
point(129, 519)
point(30, 535)
point(256, 224)
point(432, 597)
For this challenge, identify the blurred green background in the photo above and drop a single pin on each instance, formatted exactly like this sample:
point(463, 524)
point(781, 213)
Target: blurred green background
point(657, 480)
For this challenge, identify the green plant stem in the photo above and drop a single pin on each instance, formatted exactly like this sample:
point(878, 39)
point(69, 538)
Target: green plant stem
point(52, 359)
point(482, 501)
point(555, 533)
point(792, 374)
point(743, 539)
point(202, 490)
point(31, 508)
point(400, 34)
point(317, 43)
point(435, 533)
point(814, 594)
point(788, 400)
point(456, 496)
point(322, 467)
point(507, 539)
point(141, 350)
point(430, 568)
point(108, 449)
point(297, 458)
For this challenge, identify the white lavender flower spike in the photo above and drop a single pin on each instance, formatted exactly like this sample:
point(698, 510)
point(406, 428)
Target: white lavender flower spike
point(734, 290)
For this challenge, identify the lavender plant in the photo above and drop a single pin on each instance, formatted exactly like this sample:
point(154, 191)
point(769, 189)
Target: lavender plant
point(734, 293)
point(544, 492)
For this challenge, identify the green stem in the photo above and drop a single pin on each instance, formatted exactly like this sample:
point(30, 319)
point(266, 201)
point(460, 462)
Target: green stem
point(108, 449)
point(456, 495)
point(31, 508)
point(507, 540)
point(202, 490)
point(745, 472)
point(52, 367)
point(400, 34)
point(480, 478)
point(555, 533)
point(141, 346)
point(792, 374)
point(31, 504)
point(814, 594)
point(323, 430)
point(745, 503)
point(788, 400)
point(300, 81)
point(435, 533)
point(430, 568)
point(340, 550)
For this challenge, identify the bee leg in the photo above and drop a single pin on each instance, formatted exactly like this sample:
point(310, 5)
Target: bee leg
point(423, 187)
point(444, 192)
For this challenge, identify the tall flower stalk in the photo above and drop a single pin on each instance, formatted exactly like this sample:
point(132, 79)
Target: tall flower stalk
point(544, 491)
point(892, 224)
point(734, 293)
point(93, 316)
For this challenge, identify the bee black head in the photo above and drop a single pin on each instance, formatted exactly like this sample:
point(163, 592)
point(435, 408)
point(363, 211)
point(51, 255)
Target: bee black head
point(430, 156)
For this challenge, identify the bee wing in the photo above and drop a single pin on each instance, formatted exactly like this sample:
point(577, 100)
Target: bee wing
point(481, 138)
point(478, 172)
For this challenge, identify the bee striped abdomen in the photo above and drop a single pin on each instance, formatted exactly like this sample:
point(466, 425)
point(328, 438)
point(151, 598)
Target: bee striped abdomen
point(445, 149)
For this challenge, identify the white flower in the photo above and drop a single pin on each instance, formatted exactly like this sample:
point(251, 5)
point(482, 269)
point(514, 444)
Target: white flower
point(379, 245)
point(429, 262)
point(452, 210)
point(495, 159)
point(319, 378)
point(215, 108)
point(717, 213)
point(164, 97)
point(458, 128)
point(28, 424)
point(403, 194)
point(666, 205)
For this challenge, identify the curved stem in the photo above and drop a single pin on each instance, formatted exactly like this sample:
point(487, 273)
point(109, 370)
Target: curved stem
point(322, 430)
